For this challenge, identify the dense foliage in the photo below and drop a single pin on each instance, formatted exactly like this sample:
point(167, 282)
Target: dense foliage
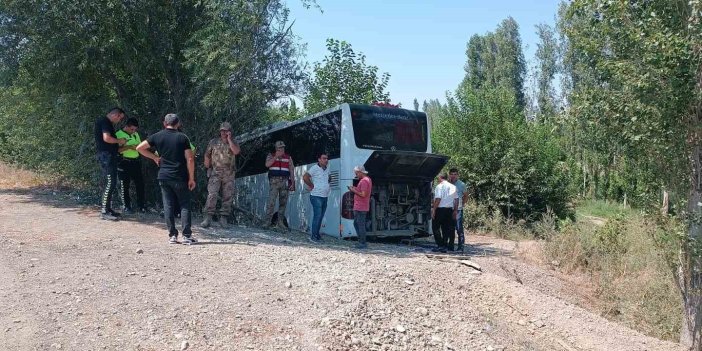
point(344, 76)
point(511, 164)
point(635, 110)
point(63, 63)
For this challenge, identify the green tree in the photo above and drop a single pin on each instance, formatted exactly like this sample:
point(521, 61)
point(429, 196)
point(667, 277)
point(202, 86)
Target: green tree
point(283, 111)
point(244, 59)
point(343, 76)
point(513, 165)
point(547, 67)
point(636, 74)
point(63, 63)
point(496, 60)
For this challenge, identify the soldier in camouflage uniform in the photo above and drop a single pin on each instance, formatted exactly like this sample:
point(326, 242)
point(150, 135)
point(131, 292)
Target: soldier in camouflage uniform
point(219, 162)
point(280, 180)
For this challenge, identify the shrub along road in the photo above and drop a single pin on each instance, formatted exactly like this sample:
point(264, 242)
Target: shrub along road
point(71, 281)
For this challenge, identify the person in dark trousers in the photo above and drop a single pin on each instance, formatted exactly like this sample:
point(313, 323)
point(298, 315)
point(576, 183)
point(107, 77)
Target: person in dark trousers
point(107, 145)
point(176, 174)
point(462, 195)
point(129, 167)
point(444, 211)
point(176, 206)
point(361, 203)
point(220, 157)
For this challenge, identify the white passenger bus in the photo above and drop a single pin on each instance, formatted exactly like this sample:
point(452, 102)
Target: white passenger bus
point(394, 146)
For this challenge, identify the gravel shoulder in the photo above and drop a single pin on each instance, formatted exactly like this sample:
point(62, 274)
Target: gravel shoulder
point(71, 281)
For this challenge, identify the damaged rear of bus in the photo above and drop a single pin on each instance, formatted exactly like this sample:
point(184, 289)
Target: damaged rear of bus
point(394, 146)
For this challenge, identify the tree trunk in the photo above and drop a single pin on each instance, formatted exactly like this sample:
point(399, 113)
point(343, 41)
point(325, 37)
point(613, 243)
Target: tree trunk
point(690, 270)
point(665, 207)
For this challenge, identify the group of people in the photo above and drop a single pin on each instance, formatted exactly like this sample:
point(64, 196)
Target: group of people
point(316, 178)
point(447, 212)
point(119, 154)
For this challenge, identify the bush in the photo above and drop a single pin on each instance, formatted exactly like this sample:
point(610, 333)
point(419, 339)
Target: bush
point(628, 258)
point(474, 215)
point(509, 164)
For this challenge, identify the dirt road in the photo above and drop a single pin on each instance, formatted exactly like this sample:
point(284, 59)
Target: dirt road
point(73, 282)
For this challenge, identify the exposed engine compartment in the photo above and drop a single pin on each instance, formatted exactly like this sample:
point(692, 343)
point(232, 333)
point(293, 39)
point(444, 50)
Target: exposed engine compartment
point(400, 206)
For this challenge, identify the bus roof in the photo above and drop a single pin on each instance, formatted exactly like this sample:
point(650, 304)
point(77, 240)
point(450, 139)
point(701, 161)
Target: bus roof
point(282, 125)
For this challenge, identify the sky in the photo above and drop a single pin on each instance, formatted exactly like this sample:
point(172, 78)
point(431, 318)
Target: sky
point(422, 44)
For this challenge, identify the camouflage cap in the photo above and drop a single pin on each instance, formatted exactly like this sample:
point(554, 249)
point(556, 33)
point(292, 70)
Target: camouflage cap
point(279, 143)
point(225, 126)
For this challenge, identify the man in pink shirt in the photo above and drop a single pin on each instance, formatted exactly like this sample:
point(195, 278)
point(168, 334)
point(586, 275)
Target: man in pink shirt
point(361, 203)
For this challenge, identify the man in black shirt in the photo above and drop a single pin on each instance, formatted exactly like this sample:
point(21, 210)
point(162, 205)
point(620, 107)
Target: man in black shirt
point(107, 145)
point(176, 174)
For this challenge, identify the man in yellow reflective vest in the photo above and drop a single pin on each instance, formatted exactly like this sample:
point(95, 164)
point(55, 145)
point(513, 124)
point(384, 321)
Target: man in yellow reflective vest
point(129, 167)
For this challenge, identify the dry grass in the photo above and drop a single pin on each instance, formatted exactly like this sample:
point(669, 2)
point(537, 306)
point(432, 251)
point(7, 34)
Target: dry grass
point(627, 266)
point(15, 178)
point(615, 253)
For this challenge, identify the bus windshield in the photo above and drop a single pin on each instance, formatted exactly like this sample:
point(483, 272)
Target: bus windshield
point(381, 128)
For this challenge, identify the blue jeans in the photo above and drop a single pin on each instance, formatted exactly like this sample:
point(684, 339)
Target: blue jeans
point(359, 223)
point(459, 228)
point(319, 207)
point(174, 192)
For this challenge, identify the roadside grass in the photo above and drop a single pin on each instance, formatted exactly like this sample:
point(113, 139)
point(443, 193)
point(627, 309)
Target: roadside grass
point(602, 209)
point(628, 261)
point(13, 177)
point(17, 178)
point(626, 256)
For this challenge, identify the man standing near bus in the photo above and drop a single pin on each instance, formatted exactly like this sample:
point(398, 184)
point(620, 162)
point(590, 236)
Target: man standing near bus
point(281, 179)
point(462, 198)
point(444, 210)
point(317, 179)
point(361, 203)
point(219, 162)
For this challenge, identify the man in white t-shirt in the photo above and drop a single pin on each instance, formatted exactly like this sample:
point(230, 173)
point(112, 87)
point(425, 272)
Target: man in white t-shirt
point(444, 210)
point(317, 180)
